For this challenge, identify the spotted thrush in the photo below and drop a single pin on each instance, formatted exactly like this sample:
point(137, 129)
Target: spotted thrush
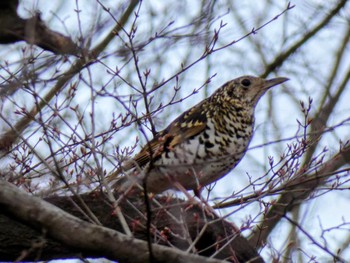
point(203, 144)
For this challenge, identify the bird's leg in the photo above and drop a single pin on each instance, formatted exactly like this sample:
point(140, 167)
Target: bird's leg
point(203, 203)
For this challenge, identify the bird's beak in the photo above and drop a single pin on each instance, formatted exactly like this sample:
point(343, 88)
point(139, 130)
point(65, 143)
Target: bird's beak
point(273, 82)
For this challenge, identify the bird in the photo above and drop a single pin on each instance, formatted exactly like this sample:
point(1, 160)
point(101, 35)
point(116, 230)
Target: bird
point(201, 145)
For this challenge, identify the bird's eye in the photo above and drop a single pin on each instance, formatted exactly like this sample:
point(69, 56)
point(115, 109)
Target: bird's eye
point(245, 82)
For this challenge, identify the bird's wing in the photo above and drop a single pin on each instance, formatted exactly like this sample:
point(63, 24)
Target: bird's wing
point(187, 125)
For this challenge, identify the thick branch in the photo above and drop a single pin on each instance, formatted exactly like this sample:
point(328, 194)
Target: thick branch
point(63, 235)
point(33, 30)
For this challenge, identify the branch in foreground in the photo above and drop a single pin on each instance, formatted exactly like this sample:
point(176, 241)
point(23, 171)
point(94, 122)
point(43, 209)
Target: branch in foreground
point(63, 235)
point(15, 130)
point(302, 187)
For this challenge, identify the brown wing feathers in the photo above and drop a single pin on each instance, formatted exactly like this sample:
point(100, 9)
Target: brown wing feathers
point(185, 126)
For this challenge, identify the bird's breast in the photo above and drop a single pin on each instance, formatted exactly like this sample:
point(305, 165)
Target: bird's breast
point(204, 158)
point(227, 138)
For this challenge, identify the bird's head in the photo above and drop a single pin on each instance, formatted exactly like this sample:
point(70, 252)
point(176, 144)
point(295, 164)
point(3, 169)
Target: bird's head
point(247, 90)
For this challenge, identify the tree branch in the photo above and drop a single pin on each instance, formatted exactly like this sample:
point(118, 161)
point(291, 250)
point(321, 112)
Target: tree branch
point(63, 235)
point(9, 137)
point(32, 30)
point(285, 55)
point(296, 191)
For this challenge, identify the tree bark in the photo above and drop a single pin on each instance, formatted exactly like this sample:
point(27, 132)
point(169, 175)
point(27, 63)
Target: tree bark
point(32, 30)
point(32, 229)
